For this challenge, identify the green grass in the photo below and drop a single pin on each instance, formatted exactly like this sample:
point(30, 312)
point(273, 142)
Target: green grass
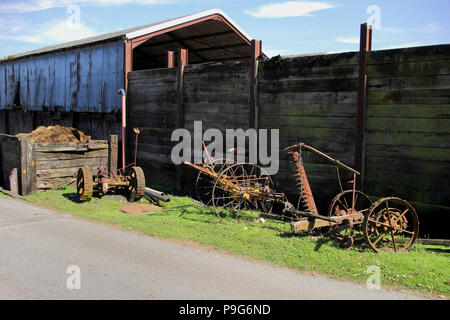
point(271, 241)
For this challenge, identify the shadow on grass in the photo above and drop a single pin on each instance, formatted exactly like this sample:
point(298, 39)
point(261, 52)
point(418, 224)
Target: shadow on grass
point(72, 196)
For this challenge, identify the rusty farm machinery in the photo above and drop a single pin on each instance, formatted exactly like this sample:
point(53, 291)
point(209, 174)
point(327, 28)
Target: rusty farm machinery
point(130, 179)
point(389, 224)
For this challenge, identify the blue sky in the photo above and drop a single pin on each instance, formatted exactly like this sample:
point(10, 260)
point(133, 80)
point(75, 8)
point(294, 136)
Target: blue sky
point(285, 27)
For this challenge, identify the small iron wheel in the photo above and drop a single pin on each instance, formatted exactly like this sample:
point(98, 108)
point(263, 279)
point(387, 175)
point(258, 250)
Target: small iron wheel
point(85, 184)
point(136, 178)
point(392, 224)
point(342, 205)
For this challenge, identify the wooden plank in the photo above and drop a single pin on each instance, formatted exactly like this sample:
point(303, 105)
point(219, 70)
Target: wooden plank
point(397, 82)
point(407, 152)
point(426, 53)
point(287, 66)
point(213, 97)
point(71, 163)
point(71, 146)
point(318, 110)
point(427, 111)
point(293, 121)
point(54, 183)
point(138, 107)
point(309, 98)
point(310, 133)
point(64, 172)
point(409, 69)
point(411, 139)
point(71, 155)
point(438, 96)
point(312, 73)
point(408, 125)
point(216, 108)
point(310, 85)
point(113, 153)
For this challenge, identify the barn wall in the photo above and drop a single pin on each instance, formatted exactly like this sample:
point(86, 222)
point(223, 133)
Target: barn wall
point(80, 80)
point(312, 99)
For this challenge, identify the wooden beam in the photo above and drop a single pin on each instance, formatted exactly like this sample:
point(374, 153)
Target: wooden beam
point(365, 46)
point(170, 59)
point(256, 50)
point(182, 62)
point(181, 42)
point(206, 35)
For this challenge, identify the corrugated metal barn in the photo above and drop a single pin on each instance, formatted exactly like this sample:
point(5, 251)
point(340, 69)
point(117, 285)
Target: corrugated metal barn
point(76, 83)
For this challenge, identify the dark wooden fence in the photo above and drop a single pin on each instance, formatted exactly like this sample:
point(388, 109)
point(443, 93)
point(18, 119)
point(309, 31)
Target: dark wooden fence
point(314, 99)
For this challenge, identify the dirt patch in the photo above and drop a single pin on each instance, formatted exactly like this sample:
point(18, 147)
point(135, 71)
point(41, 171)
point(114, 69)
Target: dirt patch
point(56, 134)
point(139, 208)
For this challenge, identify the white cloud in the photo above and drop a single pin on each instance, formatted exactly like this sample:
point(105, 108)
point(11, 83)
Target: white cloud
point(348, 40)
point(288, 9)
point(39, 5)
point(49, 33)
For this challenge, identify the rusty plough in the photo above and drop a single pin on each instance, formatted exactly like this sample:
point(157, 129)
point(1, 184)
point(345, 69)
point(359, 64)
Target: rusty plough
point(389, 224)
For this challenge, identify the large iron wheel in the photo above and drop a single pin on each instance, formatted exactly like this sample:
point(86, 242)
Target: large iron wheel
point(136, 179)
point(85, 184)
point(342, 204)
point(392, 224)
point(204, 183)
point(238, 188)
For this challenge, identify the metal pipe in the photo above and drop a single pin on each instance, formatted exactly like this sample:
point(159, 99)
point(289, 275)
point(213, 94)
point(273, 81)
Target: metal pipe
point(156, 194)
point(124, 125)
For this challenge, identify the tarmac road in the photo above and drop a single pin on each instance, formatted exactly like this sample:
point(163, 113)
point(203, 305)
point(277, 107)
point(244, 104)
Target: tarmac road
point(37, 247)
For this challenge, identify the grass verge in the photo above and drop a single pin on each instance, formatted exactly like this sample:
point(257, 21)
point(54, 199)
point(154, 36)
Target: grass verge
point(183, 219)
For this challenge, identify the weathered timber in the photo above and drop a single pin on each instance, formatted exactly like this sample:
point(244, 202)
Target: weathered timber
point(427, 53)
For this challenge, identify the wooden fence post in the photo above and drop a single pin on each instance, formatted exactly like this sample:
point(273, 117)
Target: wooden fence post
point(182, 62)
point(365, 46)
point(113, 153)
point(27, 176)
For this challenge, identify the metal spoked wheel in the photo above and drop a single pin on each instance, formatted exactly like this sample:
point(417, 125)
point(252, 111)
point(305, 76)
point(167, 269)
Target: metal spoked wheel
point(392, 224)
point(136, 179)
point(204, 183)
point(342, 205)
point(239, 187)
point(85, 184)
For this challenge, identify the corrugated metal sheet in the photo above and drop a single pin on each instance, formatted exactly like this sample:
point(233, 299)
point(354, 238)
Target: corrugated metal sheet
point(81, 80)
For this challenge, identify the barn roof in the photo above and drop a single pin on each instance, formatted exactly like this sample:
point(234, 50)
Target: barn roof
point(154, 28)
